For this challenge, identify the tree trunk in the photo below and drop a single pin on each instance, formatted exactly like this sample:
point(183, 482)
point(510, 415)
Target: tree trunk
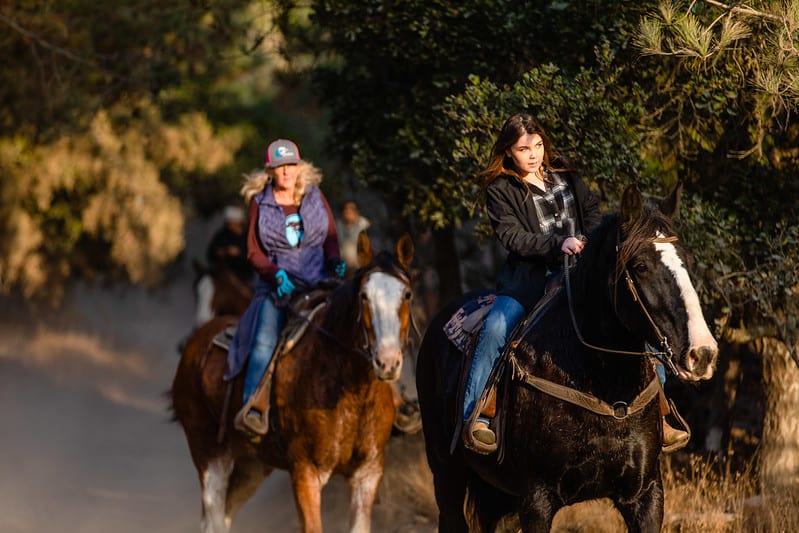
point(779, 456)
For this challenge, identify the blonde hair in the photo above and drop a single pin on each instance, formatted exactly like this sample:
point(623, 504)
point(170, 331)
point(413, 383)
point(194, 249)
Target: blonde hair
point(256, 181)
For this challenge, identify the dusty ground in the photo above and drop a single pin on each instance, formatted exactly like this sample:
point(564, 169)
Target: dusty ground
point(87, 445)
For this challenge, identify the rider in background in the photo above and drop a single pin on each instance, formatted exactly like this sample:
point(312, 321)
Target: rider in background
point(349, 225)
point(540, 209)
point(228, 246)
point(227, 250)
point(291, 242)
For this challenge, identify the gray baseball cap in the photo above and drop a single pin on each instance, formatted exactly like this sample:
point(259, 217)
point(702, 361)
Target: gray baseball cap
point(282, 152)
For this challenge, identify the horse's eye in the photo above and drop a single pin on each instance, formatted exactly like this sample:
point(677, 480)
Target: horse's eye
point(407, 295)
point(364, 297)
point(640, 267)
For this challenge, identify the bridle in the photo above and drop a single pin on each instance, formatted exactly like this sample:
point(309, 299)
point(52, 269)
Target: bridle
point(666, 354)
point(402, 277)
point(366, 350)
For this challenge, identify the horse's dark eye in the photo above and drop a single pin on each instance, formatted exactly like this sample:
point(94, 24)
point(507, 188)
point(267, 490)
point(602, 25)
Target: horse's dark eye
point(640, 267)
point(364, 297)
point(407, 295)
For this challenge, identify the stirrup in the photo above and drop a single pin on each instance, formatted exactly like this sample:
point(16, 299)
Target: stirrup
point(408, 419)
point(471, 427)
point(251, 421)
point(682, 427)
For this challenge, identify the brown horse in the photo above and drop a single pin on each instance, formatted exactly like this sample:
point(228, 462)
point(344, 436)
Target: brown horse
point(332, 406)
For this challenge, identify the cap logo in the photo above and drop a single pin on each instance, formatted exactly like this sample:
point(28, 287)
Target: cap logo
point(283, 151)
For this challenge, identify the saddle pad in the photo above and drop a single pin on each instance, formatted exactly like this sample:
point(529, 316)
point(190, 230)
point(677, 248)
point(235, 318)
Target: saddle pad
point(465, 324)
point(223, 338)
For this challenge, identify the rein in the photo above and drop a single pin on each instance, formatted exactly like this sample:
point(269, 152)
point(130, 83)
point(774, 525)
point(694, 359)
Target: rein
point(618, 410)
point(662, 339)
point(366, 351)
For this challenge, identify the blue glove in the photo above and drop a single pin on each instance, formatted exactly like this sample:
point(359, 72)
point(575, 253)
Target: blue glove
point(284, 285)
point(337, 267)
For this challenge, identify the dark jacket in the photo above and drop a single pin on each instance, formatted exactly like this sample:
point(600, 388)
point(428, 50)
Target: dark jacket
point(532, 254)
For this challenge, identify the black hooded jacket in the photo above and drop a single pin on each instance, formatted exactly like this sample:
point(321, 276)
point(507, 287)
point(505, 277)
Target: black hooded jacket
point(531, 253)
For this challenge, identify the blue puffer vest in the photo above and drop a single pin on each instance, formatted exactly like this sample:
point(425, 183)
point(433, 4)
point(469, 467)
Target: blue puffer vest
point(306, 261)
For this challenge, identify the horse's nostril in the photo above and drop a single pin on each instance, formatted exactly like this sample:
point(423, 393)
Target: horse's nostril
point(707, 352)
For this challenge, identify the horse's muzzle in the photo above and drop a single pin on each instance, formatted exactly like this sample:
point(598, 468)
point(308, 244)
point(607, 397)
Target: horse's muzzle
point(388, 364)
point(700, 361)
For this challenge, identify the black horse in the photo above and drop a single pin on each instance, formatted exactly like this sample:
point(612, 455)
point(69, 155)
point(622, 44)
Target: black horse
point(630, 291)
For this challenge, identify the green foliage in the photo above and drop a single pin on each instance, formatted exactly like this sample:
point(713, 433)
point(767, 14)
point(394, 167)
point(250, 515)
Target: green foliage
point(94, 204)
point(100, 135)
point(591, 123)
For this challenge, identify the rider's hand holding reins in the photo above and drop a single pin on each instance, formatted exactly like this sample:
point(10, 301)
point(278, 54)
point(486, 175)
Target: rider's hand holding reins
point(338, 267)
point(284, 285)
point(572, 245)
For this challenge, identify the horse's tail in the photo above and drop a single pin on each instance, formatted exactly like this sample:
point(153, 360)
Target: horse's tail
point(170, 407)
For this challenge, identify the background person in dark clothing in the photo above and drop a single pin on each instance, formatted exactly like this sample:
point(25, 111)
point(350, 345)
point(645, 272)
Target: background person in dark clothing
point(228, 246)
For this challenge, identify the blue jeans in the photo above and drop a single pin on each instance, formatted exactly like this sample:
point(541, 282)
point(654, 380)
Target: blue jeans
point(505, 314)
point(270, 322)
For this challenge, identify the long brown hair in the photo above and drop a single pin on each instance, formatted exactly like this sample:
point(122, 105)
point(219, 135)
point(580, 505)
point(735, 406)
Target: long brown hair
point(500, 163)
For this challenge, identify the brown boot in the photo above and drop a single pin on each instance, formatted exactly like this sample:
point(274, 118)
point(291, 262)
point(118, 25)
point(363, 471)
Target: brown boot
point(674, 439)
point(479, 438)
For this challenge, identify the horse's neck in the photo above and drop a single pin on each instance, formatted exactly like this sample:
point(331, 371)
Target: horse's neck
point(348, 354)
point(592, 308)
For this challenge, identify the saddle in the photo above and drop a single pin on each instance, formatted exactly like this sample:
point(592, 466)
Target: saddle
point(463, 330)
point(303, 311)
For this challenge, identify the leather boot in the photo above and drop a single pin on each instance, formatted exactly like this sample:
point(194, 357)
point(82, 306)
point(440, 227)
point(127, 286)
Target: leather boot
point(674, 439)
point(478, 437)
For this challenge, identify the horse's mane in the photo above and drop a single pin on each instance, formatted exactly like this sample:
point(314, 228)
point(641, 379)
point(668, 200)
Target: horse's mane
point(341, 319)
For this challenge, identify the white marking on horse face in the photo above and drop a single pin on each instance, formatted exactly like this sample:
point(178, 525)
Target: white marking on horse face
point(386, 294)
point(698, 333)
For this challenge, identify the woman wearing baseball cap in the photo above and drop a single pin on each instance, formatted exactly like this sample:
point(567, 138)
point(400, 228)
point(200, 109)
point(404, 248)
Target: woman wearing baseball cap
point(291, 241)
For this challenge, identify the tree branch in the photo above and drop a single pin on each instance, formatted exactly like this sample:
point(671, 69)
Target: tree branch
point(56, 49)
point(744, 10)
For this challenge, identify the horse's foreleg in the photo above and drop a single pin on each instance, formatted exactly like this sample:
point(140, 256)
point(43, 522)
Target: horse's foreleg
point(537, 510)
point(307, 483)
point(243, 483)
point(215, 477)
point(645, 512)
point(364, 484)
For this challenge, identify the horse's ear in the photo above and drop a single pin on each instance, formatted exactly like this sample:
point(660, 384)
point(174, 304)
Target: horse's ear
point(405, 251)
point(365, 252)
point(670, 205)
point(631, 204)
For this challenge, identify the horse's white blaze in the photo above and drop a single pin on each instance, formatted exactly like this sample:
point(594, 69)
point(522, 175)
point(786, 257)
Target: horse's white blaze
point(215, 484)
point(698, 332)
point(385, 294)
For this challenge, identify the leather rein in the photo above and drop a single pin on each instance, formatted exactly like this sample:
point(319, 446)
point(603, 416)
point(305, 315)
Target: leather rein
point(365, 350)
point(618, 410)
point(666, 354)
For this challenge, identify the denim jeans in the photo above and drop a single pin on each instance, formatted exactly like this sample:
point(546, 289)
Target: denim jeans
point(505, 314)
point(270, 322)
